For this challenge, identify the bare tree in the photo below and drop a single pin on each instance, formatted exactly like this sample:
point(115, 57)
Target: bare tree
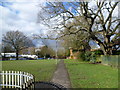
point(98, 20)
point(17, 40)
point(6, 48)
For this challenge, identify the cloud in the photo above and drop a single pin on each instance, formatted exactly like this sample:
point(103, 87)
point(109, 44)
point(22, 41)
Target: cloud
point(27, 11)
point(20, 16)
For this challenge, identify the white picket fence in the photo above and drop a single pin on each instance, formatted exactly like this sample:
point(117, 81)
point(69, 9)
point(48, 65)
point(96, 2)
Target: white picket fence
point(16, 79)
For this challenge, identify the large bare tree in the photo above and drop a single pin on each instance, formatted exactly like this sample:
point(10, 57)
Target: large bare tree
point(17, 40)
point(98, 20)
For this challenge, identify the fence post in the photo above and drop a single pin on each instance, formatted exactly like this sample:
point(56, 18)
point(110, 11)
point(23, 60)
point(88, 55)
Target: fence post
point(15, 79)
point(12, 79)
point(27, 80)
point(0, 79)
point(18, 78)
point(9, 79)
point(32, 81)
point(32, 84)
point(3, 82)
point(21, 78)
point(6, 79)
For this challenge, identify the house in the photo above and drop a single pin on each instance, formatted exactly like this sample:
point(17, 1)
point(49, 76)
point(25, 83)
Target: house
point(13, 55)
point(8, 54)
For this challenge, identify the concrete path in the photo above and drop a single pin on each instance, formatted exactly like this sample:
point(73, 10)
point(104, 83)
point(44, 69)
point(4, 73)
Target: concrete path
point(61, 75)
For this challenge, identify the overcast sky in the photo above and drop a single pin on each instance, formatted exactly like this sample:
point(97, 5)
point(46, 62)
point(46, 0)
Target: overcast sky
point(21, 15)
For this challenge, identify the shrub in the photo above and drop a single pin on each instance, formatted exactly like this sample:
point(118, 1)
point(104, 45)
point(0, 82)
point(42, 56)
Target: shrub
point(116, 52)
point(86, 56)
point(93, 57)
point(80, 56)
point(98, 52)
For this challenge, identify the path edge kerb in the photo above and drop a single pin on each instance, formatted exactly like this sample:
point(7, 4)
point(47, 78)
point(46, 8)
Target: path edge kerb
point(54, 71)
point(52, 84)
point(67, 73)
point(61, 75)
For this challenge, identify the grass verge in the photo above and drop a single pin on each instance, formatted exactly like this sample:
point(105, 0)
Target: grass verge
point(84, 75)
point(41, 69)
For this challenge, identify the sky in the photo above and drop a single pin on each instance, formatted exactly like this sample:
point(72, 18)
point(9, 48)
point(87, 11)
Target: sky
point(20, 15)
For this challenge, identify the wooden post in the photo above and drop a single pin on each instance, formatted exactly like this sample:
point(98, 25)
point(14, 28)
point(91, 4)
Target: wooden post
point(18, 78)
point(12, 79)
point(9, 79)
point(6, 79)
point(27, 79)
point(15, 79)
point(32, 81)
point(3, 82)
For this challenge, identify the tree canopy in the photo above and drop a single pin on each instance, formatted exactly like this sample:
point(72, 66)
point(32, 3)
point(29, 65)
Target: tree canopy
point(99, 21)
point(17, 40)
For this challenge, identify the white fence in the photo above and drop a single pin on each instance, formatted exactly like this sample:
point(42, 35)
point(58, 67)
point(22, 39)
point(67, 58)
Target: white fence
point(16, 79)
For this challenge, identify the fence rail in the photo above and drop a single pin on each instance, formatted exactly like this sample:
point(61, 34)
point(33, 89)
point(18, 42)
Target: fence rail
point(111, 60)
point(16, 79)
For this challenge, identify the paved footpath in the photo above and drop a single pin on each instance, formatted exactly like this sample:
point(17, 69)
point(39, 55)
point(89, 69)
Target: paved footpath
point(61, 75)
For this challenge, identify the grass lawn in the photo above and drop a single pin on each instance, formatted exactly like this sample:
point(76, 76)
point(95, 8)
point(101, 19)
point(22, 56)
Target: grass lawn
point(41, 69)
point(84, 75)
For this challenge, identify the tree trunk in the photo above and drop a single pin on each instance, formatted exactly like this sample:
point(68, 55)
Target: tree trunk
point(17, 53)
point(107, 51)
